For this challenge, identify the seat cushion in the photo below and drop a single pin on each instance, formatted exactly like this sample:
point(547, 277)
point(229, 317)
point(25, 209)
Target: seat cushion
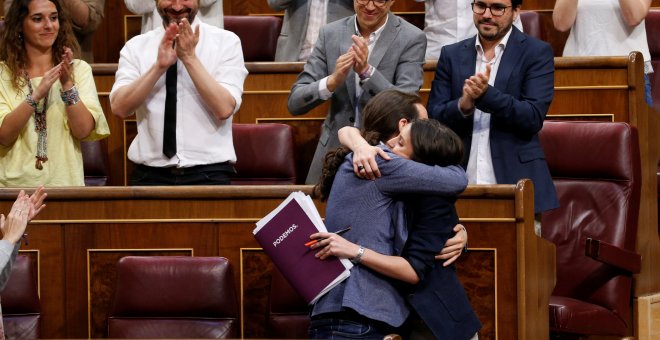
point(575, 316)
point(24, 327)
point(149, 328)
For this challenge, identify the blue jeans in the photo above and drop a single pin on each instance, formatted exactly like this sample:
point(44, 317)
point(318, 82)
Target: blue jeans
point(647, 90)
point(334, 328)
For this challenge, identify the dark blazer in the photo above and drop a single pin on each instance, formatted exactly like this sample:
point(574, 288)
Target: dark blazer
point(439, 298)
point(518, 104)
point(397, 57)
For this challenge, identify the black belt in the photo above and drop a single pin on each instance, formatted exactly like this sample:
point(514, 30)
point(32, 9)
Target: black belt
point(173, 170)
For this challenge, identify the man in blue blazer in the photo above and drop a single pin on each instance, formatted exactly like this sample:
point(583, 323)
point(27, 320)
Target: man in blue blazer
point(353, 60)
point(494, 91)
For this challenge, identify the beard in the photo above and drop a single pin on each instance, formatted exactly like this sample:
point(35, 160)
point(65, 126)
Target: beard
point(169, 15)
point(497, 31)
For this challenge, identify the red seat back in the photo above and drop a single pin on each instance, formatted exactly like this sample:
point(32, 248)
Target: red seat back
point(288, 316)
point(21, 311)
point(533, 24)
point(596, 170)
point(174, 297)
point(258, 35)
point(265, 154)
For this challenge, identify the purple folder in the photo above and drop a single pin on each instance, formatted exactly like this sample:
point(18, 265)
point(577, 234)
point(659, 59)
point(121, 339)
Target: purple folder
point(283, 234)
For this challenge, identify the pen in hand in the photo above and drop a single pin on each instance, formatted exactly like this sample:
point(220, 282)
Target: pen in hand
point(315, 241)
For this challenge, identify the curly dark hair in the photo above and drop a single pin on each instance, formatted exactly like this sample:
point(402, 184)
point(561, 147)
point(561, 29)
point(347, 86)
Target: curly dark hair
point(12, 50)
point(381, 118)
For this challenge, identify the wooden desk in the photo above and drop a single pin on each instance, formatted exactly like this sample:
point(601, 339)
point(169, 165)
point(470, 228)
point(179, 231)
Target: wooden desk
point(77, 240)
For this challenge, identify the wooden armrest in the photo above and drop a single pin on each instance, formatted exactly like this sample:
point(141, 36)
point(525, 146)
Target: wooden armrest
point(613, 255)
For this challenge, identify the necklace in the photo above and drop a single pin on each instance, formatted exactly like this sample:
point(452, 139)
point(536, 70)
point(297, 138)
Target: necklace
point(39, 127)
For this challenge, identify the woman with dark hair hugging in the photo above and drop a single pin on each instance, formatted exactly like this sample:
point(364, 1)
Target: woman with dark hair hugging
point(423, 166)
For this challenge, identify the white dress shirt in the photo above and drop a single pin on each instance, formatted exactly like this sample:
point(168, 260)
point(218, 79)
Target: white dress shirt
point(480, 164)
point(201, 138)
point(210, 12)
point(318, 10)
point(447, 22)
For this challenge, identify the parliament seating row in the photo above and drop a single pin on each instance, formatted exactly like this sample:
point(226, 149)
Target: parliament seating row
point(265, 155)
point(155, 297)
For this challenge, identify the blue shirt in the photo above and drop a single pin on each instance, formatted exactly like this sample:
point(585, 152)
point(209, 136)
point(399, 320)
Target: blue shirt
point(369, 207)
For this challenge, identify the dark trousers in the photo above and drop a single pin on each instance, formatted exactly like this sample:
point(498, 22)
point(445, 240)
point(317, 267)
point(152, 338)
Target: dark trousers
point(211, 174)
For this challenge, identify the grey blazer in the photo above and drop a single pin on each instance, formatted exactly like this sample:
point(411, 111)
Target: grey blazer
point(398, 57)
point(294, 28)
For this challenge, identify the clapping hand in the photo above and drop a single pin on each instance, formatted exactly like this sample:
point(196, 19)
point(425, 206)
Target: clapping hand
point(66, 69)
point(13, 226)
point(344, 64)
point(360, 51)
point(186, 40)
point(473, 88)
point(166, 52)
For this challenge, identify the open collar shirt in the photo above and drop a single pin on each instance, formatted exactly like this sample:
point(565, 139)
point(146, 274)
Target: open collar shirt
point(201, 138)
point(480, 168)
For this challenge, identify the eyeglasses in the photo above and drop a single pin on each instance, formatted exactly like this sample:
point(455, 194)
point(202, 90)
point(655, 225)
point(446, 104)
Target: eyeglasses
point(496, 10)
point(377, 3)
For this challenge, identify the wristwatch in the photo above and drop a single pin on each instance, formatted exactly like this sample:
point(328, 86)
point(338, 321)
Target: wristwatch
point(358, 258)
point(364, 76)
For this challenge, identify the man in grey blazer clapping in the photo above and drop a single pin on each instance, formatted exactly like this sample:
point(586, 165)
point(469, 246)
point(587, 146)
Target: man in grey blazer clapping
point(354, 59)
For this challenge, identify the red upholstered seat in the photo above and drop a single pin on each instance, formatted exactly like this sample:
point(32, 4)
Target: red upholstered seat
point(288, 317)
point(265, 154)
point(21, 312)
point(166, 297)
point(596, 169)
point(95, 163)
point(258, 35)
point(532, 24)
